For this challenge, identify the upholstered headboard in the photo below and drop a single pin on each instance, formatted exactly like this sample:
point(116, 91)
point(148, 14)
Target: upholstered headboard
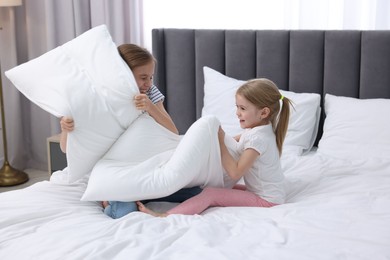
point(344, 63)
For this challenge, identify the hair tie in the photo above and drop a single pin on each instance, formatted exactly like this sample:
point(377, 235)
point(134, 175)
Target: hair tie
point(281, 97)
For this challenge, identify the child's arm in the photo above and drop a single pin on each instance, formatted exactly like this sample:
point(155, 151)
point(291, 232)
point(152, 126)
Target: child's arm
point(235, 169)
point(157, 111)
point(67, 125)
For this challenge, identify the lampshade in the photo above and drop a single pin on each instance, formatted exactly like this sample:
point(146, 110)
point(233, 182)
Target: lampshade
point(10, 2)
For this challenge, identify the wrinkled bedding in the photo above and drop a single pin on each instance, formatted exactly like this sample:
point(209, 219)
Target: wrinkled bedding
point(336, 209)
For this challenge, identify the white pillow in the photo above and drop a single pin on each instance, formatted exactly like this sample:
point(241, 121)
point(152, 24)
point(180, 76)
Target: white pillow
point(86, 79)
point(355, 128)
point(219, 100)
point(148, 161)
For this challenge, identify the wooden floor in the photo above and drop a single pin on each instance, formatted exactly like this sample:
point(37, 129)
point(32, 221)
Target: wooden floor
point(33, 175)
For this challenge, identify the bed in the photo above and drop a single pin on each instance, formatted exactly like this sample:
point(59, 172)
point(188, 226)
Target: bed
point(337, 173)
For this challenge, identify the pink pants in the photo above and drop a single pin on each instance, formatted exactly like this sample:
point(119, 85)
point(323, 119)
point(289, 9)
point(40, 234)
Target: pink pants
point(220, 197)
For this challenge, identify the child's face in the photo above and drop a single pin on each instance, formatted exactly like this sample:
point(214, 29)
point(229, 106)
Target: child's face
point(144, 76)
point(249, 115)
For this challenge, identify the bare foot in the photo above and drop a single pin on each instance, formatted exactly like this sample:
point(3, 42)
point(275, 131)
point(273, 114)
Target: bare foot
point(142, 208)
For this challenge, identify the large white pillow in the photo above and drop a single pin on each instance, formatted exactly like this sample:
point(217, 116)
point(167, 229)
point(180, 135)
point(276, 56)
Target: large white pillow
point(219, 100)
point(355, 128)
point(148, 161)
point(86, 79)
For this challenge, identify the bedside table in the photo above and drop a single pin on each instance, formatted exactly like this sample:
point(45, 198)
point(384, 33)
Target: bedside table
point(55, 157)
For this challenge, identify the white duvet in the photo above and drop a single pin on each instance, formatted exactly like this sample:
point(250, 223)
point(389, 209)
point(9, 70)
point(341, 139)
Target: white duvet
point(335, 210)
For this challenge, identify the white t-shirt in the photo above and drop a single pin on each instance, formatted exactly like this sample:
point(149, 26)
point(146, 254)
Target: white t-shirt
point(265, 178)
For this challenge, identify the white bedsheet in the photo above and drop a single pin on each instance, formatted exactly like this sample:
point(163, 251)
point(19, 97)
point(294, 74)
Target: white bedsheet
point(336, 210)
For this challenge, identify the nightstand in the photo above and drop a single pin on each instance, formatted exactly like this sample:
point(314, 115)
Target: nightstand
point(55, 157)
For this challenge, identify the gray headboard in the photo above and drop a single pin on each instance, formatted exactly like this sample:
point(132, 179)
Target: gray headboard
point(345, 63)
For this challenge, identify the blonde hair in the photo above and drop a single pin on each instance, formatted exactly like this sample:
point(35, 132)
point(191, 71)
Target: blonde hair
point(262, 93)
point(134, 55)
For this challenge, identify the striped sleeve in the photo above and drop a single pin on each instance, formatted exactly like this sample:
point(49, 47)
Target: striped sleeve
point(155, 95)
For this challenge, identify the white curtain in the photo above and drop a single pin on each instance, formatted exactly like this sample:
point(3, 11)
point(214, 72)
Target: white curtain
point(31, 30)
point(266, 14)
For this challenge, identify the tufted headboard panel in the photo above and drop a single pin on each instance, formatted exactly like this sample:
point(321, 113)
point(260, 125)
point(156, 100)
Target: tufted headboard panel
point(344, 63)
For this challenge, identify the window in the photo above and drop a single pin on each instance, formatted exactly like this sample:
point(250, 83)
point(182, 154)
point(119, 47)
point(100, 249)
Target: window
point(265, 14)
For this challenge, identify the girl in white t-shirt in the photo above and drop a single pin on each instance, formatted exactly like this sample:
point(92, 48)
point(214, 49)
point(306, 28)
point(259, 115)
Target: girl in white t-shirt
point(263, 114)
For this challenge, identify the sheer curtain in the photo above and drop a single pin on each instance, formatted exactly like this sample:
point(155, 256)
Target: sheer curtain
point(31, 30)
point(265, 14)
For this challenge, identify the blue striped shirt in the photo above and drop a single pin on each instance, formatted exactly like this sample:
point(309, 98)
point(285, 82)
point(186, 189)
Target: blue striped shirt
point(155, 95)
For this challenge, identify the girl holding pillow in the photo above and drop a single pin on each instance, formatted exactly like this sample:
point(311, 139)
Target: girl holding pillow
point(150, 99)
point(264, 114)
point(142, 64)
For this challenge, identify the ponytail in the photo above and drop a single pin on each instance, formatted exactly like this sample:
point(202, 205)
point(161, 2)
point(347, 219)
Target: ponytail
point(282, 123)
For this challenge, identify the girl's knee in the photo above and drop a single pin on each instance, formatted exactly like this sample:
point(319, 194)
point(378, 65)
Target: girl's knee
point(212, 193)
point(208, 191)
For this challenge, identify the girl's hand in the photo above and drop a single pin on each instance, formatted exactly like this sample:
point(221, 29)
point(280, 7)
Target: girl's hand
point(67, 124)
point(142, 102)
point(221, 134)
